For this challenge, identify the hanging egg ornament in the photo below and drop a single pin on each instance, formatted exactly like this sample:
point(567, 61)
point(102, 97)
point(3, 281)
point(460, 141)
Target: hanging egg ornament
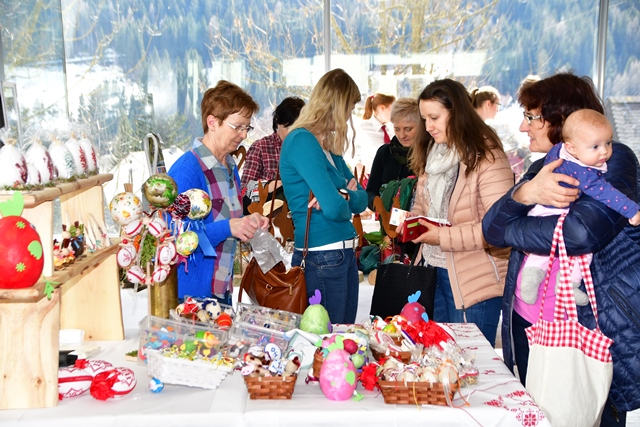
point(186, 243)
point(160, 274)
point(13, 166)
point(125, 208)
point(135, 274)
point(160, 190)
point(133, 228)
point(126, 255)
point(166, 253)
point(181, 207)
point(200, 203)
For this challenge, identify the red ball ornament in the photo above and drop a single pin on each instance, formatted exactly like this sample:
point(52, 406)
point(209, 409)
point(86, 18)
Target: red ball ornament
point(22, 259)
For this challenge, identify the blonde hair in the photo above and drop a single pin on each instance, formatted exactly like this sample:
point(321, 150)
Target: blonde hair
point(585, 117)
point(372, 103)
point(328, 110)
point(408, 108)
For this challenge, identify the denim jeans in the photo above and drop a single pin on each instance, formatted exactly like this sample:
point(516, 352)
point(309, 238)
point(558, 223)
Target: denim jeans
point(485, 314)
point(520, 344)
point(335, 274)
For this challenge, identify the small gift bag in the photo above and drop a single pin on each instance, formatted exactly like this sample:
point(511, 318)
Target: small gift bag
point(570, 366)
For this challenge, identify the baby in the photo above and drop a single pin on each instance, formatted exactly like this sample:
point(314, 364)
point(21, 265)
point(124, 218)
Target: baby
point(587, 147)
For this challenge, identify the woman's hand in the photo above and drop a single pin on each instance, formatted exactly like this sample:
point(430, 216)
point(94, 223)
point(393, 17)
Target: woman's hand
point(352, 185)
point(545, 188)
point(431, 236)
point(245, 227)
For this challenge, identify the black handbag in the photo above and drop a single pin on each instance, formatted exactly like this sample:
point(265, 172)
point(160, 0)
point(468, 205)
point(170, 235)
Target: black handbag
point(396, 282)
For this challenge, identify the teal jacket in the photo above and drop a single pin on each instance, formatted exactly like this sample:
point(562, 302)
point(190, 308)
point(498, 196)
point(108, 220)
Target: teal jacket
point(304, 166)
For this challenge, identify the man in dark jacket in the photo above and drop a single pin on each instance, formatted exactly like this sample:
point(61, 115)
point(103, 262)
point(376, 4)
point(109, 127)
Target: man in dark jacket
point(590, 227)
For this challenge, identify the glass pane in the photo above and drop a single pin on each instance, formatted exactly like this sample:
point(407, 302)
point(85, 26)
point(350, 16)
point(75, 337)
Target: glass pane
point(398, 47)
point(622, 85)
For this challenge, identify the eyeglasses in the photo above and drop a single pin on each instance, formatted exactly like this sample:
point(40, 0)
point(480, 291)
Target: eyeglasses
point(531, 118)
point(239, 129)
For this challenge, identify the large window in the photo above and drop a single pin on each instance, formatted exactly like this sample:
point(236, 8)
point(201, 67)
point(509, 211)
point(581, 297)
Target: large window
point(119, 70)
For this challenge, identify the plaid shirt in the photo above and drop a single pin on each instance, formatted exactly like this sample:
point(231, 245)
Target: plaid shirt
point(226, 203)
point(262, 160)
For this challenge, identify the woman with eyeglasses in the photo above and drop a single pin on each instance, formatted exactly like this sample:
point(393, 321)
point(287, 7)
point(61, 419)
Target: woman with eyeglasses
point(590, 227)
point(226, 112)
point(462, 170)
point(311, 159)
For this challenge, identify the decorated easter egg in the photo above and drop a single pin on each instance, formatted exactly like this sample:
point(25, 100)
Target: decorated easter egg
point(13, 167)
point(224, 320)
point(133, 228)
point(135, 274)
point(125, 208)
point(160, 274)
point(126, 255)
point(186, 243)
point(78, 154)
point(90, 154)
point(155, 385)
point(73, 381)
point(62, 160)
point(338, 377)
point(157, 227)
point(160, 190)
point(212, 308)
point(113, 383)
point(180, 207)
point(166, 253)
point(200, 203)
point(38, 156)
point(93, 367)
point(413, 310)
point(315, 318)
point(22, 259)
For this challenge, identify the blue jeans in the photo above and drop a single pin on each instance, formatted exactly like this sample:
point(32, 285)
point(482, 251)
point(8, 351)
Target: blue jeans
point(335, 274)
point(485, 314)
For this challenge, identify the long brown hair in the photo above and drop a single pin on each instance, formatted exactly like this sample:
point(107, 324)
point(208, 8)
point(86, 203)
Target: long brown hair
point(467, 133)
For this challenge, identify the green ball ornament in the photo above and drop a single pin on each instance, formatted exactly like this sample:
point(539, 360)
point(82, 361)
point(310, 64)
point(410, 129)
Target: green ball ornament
point(160, 190)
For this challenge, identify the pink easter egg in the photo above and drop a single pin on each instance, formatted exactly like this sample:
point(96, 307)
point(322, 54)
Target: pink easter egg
point(338, 378)
point(157, 227)
point(166, 253)
point(135, 274)
point(133, 228)
point(73, 381)
point(126, 256)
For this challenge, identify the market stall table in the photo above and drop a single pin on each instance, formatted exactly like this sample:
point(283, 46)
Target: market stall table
point(497, 400)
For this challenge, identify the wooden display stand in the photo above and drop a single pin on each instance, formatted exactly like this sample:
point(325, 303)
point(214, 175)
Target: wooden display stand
point(87, 297)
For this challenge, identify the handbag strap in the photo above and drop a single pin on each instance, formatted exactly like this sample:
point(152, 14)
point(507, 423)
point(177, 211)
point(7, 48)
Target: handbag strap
point(306, 231)
point(565, 298)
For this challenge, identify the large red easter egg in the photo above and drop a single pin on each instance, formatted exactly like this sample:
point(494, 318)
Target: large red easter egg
point(21, 254)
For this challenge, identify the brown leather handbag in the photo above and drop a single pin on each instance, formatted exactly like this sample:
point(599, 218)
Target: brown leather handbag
point(278, 288)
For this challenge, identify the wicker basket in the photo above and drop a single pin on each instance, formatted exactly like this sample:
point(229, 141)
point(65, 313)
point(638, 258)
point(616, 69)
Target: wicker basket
point(415, 393)
point(270, 387)
point(192, 373)
point(318, 359)
point(404, 356)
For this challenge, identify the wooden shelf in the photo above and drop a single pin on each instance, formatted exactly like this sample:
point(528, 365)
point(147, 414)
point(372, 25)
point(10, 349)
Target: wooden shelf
point(79, 267)
point(35, 198)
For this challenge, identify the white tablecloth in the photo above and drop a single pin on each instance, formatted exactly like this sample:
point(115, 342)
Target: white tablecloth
point(497, 400)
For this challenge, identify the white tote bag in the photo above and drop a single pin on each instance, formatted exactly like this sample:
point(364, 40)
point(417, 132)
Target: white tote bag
point(570, 366)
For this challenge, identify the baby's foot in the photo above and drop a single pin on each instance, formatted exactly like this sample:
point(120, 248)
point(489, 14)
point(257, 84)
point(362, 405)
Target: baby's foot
point(532, 277)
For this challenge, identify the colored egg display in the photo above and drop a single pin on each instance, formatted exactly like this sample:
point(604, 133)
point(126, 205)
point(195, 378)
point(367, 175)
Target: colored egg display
point(160, 190)
point(186, 243)
point(125, 208)
point(338, 377)
point(200, 203)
